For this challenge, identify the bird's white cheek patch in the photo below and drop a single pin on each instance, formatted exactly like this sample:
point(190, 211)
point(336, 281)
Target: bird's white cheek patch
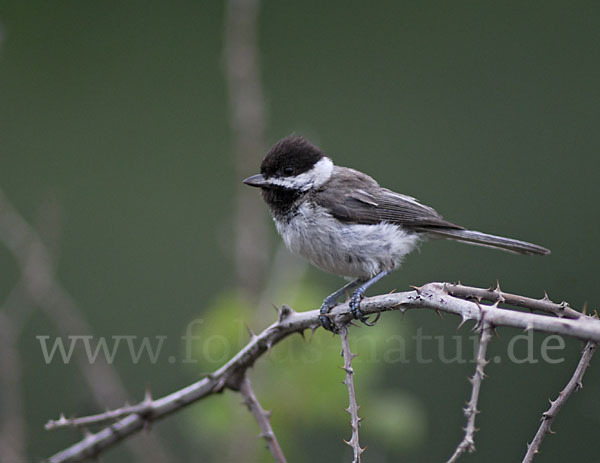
point(314, 178)
point(321, 172)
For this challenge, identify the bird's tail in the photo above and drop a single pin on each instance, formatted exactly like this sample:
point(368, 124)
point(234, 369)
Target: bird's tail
point(492, 241)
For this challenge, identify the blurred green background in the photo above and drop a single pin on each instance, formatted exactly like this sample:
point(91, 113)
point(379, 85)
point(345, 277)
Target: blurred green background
point(116, 143)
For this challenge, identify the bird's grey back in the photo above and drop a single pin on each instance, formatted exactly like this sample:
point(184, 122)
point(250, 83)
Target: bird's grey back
point(352, 196)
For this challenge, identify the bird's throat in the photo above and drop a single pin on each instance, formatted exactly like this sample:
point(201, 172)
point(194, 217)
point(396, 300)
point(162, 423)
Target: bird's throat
point(283, 202)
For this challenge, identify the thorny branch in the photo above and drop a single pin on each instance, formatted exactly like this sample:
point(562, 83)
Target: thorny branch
point(352, 405)
point(468, 442)
point(140, 409)
point(262, 418)
point(497, 295)
point(431, 296)
point(573, 385)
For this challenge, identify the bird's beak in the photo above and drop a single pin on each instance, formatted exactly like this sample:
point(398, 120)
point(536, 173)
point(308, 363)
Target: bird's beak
point(256, 180)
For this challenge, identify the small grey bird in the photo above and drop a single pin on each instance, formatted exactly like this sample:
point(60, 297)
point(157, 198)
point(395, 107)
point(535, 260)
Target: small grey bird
point(343, 222)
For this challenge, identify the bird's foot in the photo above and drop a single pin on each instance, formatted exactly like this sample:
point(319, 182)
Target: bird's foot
point(355, 308)
point(324, 317)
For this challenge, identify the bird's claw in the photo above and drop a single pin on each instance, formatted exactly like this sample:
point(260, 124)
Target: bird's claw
point(324, 318)
point(355, 307)
point(357, 313)
point(354, 303)
point(326, 323)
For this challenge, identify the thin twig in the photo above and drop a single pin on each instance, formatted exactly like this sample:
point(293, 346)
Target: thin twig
point(431, 296)
point(142, 409)
point(352, 405)
point(497, 295)
point(573, 385)
point(262, 418)
point(584, 328)
point(468, 442)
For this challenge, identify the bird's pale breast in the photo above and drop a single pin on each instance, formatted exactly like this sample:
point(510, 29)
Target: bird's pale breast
point(352, 250)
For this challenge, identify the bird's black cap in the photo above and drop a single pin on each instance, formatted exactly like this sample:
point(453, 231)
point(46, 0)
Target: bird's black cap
point(291, 155)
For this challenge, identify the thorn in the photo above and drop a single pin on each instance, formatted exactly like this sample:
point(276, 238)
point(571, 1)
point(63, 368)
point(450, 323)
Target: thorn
point(286, 311)
point(250, 332)
point(301, 333)
point(584, 308)
point(546, 298)
point(220, 385)
point(462, 322)
point(148, 395)
point(498, 286)
point(266, 435)
point(439, 313)
point(418, 289)
point(529, 327)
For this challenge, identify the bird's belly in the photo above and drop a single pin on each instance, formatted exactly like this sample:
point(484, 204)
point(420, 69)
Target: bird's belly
point(352, 250)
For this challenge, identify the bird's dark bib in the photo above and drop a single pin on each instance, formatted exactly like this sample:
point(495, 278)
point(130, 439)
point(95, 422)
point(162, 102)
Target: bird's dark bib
point(282, 202)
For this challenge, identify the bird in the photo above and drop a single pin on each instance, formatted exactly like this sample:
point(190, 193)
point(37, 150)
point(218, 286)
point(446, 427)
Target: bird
point(343, 222)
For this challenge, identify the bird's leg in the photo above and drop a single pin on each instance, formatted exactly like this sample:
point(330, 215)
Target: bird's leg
point(331, 301)
point(359, 294)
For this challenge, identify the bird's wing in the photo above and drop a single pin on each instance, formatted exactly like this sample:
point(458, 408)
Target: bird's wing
point(354, 197)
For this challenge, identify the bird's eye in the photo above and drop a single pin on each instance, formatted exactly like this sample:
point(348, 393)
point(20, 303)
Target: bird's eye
point(288, 170)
